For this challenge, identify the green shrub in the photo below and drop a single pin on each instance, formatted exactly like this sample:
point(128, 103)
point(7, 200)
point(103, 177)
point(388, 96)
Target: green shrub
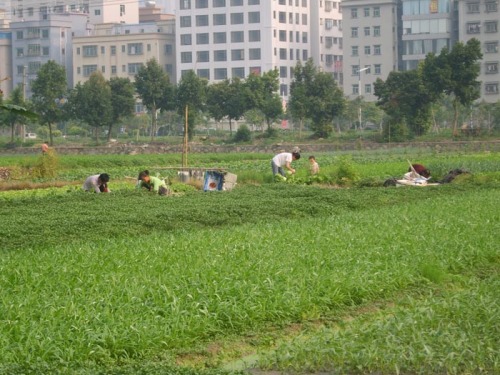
point(46, 165)
point(243, 134)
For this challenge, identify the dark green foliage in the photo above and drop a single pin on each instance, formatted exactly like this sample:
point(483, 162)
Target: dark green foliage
point(243, 134)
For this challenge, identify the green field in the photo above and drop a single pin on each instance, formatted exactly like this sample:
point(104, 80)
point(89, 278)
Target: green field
point(289, 278)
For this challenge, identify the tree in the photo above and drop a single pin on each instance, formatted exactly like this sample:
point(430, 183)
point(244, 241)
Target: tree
point(122, 100)
point(297, 104)
point(316, 95)
point(406, 100)
point(191, 96)
point(227, 99)
point(262, 94)
point(12, 118)
point(48, 88)
point(455, 73)
point(91, 102)
point(155, 90)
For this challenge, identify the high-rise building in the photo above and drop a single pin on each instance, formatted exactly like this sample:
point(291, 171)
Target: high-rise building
point(385, 35)
point(370, 44)
point(221, 39)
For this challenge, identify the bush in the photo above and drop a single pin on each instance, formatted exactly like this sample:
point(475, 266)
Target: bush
point(243, 134)
point(46, 165)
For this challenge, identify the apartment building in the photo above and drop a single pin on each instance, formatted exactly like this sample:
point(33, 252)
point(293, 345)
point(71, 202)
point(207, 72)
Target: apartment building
point(38, 40)
point(119, 50)
point(221, 39)
point(371, 44)
point(480, 19)
point(326, 37)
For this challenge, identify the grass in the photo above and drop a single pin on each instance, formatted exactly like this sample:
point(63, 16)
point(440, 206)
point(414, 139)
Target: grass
point(297, 278)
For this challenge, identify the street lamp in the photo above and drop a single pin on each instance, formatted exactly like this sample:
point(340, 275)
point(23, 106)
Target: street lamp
point(359, 93)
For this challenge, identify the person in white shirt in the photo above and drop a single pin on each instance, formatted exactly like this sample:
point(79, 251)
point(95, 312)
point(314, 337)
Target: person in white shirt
point(284, 160)
point(97, 183)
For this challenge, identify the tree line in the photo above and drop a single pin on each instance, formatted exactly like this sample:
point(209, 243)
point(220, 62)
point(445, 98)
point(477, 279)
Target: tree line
point(406, 106)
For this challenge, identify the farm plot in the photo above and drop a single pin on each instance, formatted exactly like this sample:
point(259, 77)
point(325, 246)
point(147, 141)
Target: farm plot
point(309, 279)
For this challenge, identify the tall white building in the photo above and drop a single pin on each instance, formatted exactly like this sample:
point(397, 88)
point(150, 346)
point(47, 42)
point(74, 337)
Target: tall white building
point(221, 39)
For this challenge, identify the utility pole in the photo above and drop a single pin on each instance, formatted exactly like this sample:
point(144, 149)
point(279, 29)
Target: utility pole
point(359, 93)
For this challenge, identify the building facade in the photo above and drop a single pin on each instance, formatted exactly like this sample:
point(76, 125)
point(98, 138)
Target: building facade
point(371, 44)
point(119, 50)
point(480, 19)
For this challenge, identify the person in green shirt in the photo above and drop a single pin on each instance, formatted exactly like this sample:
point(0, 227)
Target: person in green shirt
point(151, 183)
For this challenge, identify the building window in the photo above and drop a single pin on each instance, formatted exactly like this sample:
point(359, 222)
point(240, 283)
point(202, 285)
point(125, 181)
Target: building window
point(202, 56)
point(88, 70)
point(253, 2)
point(354, 51)
point(377, 49)
point(237, 54)
point(354, 12)
point(355, 89)
point(133, 68)
point(113, 50)
point(282, 35)
point(20, 52)
point(237, 18)
point(186, 40)
point(368, 88)
point(491, 6)
point(45, 34)
point(491, 27)
point(282, 17)
point(354, 32)
point(367, 50)
point(220, 73)
point(122, 10)
point(203, 73)
point(219, 3)
point(237, 37)
point(253, 17)
point(113, 69)
point(473, 7)
point(19, 35)
point(254, 54)
point(185, 21)
point(304, 19)
point(282, 53)
point(305, 55)
point(376, 11)
point(185, 4)
point(377, 69)
point(491, 88)
point(491, 68)
point(202, 20)
point(103, 50)
point(134, 49)
point(201, 4)
point(202, 38)
point(238, 72)
point(220, 38)
point(236, 3)
point(376, 30)
point(254, 35)
point(366, 12)
point(168, 49)
point(89, 51)
point(473, 28)
point(367, 30)
point(219, 19)
point(220, 55)
point(186, 57)
point(491, 47)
